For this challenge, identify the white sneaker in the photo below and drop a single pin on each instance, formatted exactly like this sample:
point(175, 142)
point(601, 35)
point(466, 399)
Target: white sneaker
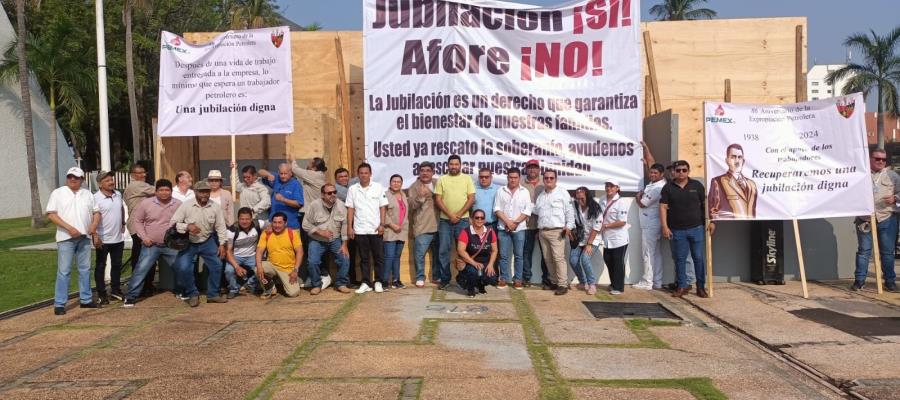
point(420, 283)
point(306, 283)
point(364, 287)
point(615, 292)
point(642, 286)
point(378, 288)
point(326, 282)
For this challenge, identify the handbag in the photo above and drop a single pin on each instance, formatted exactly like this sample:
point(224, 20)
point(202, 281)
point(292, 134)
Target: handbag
point(578, 233)
point(176, 240)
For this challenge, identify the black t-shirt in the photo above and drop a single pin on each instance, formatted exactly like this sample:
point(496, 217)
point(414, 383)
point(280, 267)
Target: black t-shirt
point(686, 205)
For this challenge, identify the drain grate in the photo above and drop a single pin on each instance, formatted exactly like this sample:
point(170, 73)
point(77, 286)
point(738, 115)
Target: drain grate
point(861, 327)
point(608, 309)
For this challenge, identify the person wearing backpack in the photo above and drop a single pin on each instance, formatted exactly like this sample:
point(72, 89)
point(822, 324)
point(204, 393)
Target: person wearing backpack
point(240, 252)
point(285, 253)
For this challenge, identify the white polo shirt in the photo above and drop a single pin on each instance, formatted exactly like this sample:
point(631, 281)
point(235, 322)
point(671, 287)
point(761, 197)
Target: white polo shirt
point(618, 211)
point(111, 217)
point(513, 204)
point(182, 197)
point(76, 208)
point(366, 203)
point(650, 214)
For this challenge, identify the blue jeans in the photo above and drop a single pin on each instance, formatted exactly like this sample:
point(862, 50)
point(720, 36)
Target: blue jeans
point(424, 242)
point(447, 234)
point(887, 239)
point(149, 256)
point(184, 267)
point(530, 240)
point(79, 251)
point(581, 264)
point(392, 252)
point(317, 251)
point(511, 243)
point(246, 262)
point(693, 241)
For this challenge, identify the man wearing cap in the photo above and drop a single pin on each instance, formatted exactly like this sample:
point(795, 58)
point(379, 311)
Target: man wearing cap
point(219, 196)
point(287, 194)
point(254, 195)
point(203, 220)
point(111, 235)
point(612, 226)
point(326, 224)
point(535, 187)
point(424, 222)
point(454, 195)
point(556, 219)
point(76, 216)
point(136, 191)
point(151, 221)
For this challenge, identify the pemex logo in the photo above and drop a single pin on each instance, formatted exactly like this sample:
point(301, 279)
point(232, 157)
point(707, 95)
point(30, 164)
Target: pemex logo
point(845, 107)
point(277, 38)
point(174, 45)
point(176, 41)
point(720, 111)
point(719, 117)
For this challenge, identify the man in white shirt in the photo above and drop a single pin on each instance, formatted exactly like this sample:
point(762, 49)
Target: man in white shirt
point(556, 219)
point(183, 183)
point(366, 205)
point(111, 232)
point(651, 232)
point(513, 207)
point(240, 252)
point(76, 216)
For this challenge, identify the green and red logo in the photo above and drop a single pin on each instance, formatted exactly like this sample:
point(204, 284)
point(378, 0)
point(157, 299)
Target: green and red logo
point(845, 107)
point(277, 38)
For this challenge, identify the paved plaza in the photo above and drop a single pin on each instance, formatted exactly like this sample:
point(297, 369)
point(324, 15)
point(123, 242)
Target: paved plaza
point(748, 342)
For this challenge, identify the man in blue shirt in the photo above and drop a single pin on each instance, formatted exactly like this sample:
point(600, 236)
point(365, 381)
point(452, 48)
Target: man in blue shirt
point(287, 193)
point(485, 192)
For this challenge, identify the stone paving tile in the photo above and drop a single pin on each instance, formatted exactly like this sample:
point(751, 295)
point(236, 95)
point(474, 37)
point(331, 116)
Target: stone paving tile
point(68, 393)
point(454, 293)
point(593, 393)
point(503, 344)
point(6, 335)
point(63, 339)
point(482, 388)
point(566, 320)
point(327, 390)
point(852, 361)
point(16, 361)
point(115, 315)
point(251, 308)
point(173, 333)
point(199, 385)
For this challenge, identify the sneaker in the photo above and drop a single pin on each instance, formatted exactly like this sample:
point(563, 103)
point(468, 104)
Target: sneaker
point(501, 284)
point(471, 292)
point(420, 283)
point(561, 290)
point(128, 303)
point(615, 292)
point(642, 286)
point(181, 297)
point(363, 287)
point(193, 301)
point(59, 311)
point(592, 289)
point(891, 287)
point(379, 288)
point(326, 282)
point(315, 291)
point(527, 283)
point(231, 295)
point(117, 296)
point(435, 281)
point(398, 285)
point(517, 285)
point(306, 283)
point(481, 290)
point(342, 289)
point(579, 286)
point(857, 286)
point(444, 286)
point(217, 299)
point(103, 300)
point(89, 305)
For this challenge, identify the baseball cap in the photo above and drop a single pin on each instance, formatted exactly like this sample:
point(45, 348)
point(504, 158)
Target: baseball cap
point(103, 174)
point(75, 171)
point(532, 162)
point(202, 185)
point(612, 182)
point(214, 174)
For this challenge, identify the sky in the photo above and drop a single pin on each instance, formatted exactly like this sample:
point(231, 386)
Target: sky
point(830, 21)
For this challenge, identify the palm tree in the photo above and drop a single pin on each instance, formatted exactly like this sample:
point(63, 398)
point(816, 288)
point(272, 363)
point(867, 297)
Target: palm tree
point(678, 10)
point(37, 218)
point(881, 69)
point(315, 26)
point(54, 64)
point(251, 14)
point(127, 11)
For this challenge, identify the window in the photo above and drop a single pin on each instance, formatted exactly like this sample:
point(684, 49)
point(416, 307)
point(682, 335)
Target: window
point(815, 98)
point(815, 91)
point(815, 83)
point(829, 91)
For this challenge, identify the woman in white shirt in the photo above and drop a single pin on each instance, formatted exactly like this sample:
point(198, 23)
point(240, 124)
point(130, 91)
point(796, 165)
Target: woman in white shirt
point(613, 227)
point(587, 210)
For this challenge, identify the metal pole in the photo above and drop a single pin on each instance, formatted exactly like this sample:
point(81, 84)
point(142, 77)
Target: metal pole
point(105, 163)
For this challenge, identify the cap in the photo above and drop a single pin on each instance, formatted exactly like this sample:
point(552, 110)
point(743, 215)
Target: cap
point(214, 174)
point(103, 174)
point(75, 171)
point(612, 182)
point(532, 162)
point(202, 185)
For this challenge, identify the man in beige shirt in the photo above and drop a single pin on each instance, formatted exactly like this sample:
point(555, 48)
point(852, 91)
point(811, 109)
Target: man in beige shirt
point(203, 220)
point(254, 195)
point(325, 224)
point(424, 223)
point(136, 191)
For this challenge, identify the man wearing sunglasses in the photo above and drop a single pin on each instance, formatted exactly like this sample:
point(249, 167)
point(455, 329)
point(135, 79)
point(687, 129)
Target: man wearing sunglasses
point(326, 224)
point(682, 214)
point(886, 191)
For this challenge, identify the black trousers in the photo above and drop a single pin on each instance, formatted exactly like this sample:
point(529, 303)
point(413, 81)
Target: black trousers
point(615, 261)
point(371, 251)
point(114, 250)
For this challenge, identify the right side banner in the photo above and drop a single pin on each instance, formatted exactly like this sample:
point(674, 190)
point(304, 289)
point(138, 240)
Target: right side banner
point(790, 161)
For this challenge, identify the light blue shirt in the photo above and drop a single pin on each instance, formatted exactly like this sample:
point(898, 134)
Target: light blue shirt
point(484, 200)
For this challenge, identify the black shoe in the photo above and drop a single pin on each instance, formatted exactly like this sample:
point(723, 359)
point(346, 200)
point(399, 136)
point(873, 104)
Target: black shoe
point(471, 292)
point(857, 286)
point(89, 305)
point(117, 295)
point(891, 287)
point(526, 283)
point(481, 289)
point(443, 286)
point(128, 303)
point(549, 286)
point(103, 300)
point(398, 285)
point(59, 311)
point(561, 290)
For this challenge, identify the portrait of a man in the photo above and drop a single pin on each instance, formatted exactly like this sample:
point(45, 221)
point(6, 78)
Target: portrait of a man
point(732, 195)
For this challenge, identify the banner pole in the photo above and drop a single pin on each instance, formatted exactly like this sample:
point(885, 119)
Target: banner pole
point(876, 253)
point(706, 235)
point(800, 259)
point(233, 170)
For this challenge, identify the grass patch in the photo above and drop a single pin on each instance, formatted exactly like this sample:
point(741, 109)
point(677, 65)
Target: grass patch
point(553, 386)
point(700, 388)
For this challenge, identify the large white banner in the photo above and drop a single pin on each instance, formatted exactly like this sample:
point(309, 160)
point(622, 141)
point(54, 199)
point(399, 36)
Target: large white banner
point(502, 83)
point(237, 84)
point(794, 161)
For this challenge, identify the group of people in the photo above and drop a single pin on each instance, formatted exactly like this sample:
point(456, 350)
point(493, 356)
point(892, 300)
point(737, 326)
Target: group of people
point(292, 221)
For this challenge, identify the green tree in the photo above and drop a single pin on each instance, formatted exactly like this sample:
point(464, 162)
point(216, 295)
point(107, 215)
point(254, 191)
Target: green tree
point(678, 10)
point(251, 14)
point(315, 26)
point(880, 70)
point(128, 9)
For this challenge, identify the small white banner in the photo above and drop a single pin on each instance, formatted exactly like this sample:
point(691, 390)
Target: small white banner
point(237, 84)
point(793, 161)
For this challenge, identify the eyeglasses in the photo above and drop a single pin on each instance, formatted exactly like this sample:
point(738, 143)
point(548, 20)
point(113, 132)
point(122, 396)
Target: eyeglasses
point(331, 192)
point(478, 218)
point(484, 177)
point(681, 170)
point(882, 159)
point(549, 178)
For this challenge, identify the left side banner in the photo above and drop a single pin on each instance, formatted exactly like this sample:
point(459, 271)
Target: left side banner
point(237, 84)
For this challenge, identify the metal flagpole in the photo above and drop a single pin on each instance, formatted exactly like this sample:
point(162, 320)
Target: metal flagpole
point(105, 163)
